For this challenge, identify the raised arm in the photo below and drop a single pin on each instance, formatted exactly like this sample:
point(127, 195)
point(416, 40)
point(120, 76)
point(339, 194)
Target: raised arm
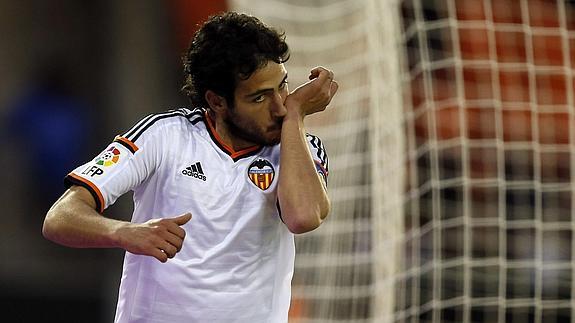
point(302, 194)
point(74, 222)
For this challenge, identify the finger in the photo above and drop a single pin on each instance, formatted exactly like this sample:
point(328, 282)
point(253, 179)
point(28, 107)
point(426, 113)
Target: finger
point(330, 75)
point(175, 229)
point(174, 240)
point(182, 219)
point(317, 72)
point(168, 249)
point(333, 88)
point(322, 74)
point(327, 84)
point(159, 254)
point(314, 73)
point(324, 79)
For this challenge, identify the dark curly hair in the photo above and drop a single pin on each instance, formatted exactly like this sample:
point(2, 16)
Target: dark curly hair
point(228, 48)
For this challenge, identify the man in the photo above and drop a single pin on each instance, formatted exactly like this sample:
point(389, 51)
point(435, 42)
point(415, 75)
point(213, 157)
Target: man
point(221, 163)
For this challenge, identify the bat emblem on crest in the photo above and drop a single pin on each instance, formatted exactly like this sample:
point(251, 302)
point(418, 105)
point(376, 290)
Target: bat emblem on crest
point(261, 173)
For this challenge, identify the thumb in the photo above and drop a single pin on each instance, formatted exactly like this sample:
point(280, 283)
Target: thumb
point(313, 74)
point(333, 88)
point(182, 219)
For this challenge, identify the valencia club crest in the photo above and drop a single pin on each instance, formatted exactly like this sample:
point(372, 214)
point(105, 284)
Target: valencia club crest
point(261, 173)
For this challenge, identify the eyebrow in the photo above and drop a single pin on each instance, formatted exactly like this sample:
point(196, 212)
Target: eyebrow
point(261, 91)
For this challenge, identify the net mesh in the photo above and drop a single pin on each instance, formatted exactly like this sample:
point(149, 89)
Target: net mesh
point(463, 157)
point(335, 277)
point(489, 116)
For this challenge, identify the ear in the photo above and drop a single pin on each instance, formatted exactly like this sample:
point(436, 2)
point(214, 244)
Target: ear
point(217, 103)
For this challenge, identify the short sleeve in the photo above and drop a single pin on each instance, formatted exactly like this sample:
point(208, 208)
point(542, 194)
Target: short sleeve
point(129, 160)
point(319, 156)
point(115, 171)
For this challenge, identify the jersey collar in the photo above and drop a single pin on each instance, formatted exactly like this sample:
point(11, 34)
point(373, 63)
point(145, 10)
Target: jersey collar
point(235, 155)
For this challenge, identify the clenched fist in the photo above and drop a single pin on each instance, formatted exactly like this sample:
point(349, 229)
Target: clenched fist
point(315, 95)
point(159, 238)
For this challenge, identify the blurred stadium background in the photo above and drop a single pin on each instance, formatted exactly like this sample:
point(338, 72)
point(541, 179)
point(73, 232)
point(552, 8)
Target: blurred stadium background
point(451, 148)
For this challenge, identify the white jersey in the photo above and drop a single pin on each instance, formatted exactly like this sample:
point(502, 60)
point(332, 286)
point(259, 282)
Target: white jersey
point(237, 259)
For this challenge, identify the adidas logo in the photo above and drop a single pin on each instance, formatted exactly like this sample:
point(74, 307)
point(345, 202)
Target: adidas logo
point(195, 170)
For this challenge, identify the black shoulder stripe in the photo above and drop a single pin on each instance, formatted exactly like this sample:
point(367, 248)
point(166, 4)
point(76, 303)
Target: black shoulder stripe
point(196, 111)
point(317, 144)
point(196, 119)
point(196, 115)
point(154, 120)
point(323, 154)
point(137, 126)
point(312, 140)
point(134, 133)
point(185, 110)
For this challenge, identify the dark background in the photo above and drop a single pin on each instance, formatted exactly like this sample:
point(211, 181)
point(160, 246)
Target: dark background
point(74, 74)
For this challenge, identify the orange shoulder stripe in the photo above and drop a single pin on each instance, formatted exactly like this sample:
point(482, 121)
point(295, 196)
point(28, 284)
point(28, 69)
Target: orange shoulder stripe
point(127, 143)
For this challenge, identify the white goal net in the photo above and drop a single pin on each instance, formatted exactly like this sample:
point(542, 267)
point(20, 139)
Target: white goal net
point(452, 159)
point(337, 276)
point(489, 125)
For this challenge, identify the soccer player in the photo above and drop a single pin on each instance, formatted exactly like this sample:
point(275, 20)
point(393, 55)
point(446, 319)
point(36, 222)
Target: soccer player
point(240, 163)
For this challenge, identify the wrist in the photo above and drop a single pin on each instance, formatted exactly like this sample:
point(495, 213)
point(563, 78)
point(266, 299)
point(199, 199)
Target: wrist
point(116, 235)
point(294, 113)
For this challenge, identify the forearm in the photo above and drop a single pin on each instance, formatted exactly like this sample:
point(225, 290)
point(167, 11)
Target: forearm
point(302, 196)
point(75, 223)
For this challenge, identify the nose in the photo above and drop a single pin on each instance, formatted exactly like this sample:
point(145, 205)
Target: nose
point(277, 107)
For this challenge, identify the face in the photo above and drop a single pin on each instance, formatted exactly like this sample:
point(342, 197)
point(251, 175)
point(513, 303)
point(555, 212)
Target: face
point(258, 111)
